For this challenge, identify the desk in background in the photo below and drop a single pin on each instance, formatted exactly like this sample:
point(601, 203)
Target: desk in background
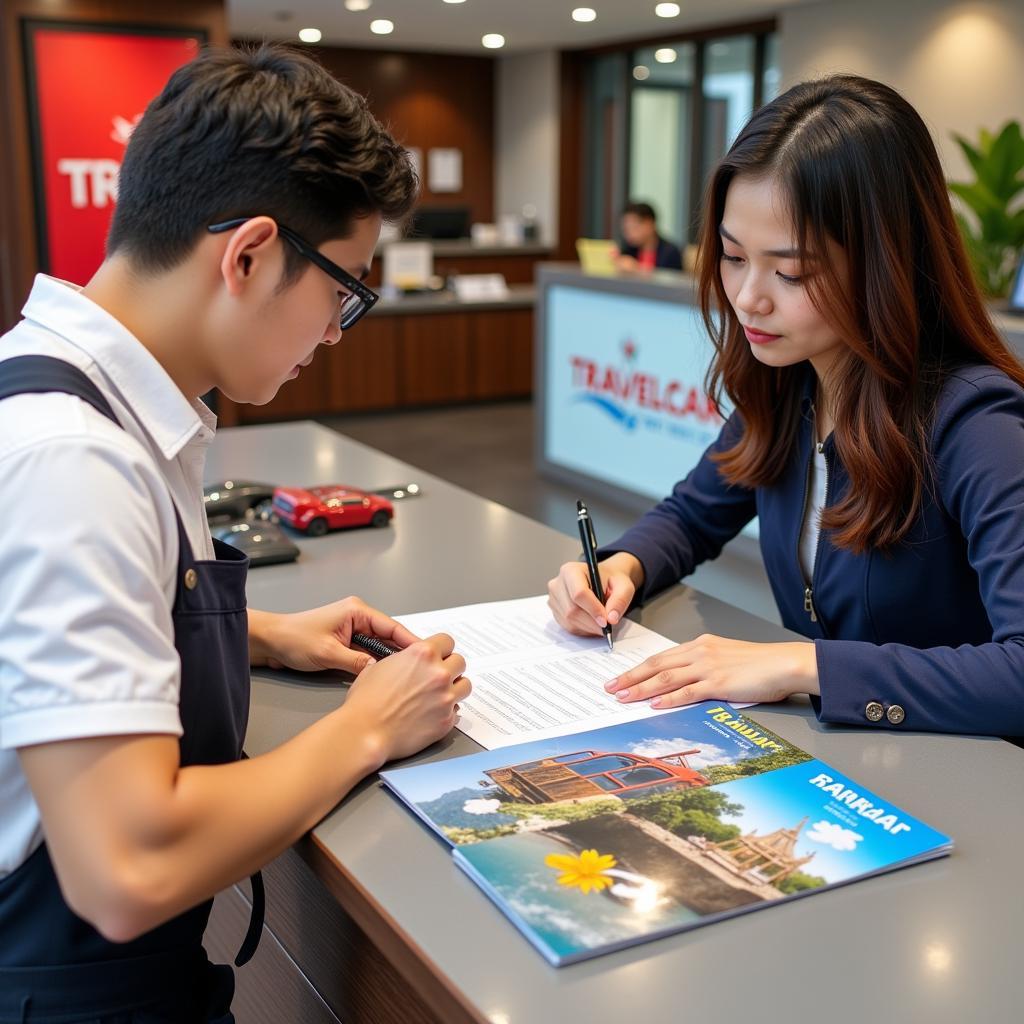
point(368, 919)
point(419, 350)
point(463, 256)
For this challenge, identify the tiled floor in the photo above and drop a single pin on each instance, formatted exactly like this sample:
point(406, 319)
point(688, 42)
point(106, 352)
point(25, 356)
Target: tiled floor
point(489, 449)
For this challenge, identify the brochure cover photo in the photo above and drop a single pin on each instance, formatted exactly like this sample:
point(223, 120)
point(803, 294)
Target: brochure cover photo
point(516, 789)
point(597, 841)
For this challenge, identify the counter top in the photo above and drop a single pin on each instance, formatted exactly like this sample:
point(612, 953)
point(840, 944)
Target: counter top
point(936, 942)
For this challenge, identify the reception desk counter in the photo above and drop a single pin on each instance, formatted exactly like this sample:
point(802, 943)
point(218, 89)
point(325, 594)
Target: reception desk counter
point(620, 364)
point(417, 350)
point(369, 921)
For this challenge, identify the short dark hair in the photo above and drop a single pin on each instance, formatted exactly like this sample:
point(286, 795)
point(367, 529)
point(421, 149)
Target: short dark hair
point(254, 131)
point(643, 210)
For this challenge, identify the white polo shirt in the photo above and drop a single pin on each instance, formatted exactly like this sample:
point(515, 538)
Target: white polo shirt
point(89, 544)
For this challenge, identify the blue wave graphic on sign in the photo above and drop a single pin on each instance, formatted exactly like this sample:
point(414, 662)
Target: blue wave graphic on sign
point(617, 413)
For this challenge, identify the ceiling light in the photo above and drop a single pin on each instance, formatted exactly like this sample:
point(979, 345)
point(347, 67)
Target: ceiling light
point(493, 40)
point(357, 5)
point(666, 55)
point(667, 10)
point(454, 1)
point(382, 27)
point(584, 14)
point(310, 35)
point(641, 73)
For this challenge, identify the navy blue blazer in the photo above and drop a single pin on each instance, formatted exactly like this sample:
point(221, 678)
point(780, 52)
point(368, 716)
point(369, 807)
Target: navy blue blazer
point(668, 255)
point(933, 626)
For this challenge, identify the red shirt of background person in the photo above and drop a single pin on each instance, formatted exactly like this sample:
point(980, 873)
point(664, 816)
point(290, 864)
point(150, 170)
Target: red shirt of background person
point(643, 249)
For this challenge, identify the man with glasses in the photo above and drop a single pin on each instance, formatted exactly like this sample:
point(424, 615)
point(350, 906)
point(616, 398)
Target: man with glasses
point(250, 201)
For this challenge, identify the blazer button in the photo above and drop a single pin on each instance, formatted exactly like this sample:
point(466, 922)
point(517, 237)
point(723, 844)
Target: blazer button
point(895, 714)
point(191, 579)
point(874, 711)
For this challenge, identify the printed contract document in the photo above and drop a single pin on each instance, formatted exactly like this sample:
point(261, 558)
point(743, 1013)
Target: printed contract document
point(531, 679)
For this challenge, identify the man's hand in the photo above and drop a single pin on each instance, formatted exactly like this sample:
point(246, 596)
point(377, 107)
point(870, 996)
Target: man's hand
point(321, 638)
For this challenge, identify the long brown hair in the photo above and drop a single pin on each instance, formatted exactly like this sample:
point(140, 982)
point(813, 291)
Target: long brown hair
point(857, 165)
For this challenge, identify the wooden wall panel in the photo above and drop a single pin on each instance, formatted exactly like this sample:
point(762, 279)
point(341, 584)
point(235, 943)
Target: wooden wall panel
point(430, 100)
point(435, 358)
point(502, 356)
point(17, 210)
point(363, 367)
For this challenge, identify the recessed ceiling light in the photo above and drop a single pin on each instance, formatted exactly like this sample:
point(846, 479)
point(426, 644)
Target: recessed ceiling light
point(310, 35)
point(666, 55)
point(584, 14)
point(454, 1)
point(493, 40)
point(382, 27)
point(667, 10)
point(357, 5)
point(641, 73)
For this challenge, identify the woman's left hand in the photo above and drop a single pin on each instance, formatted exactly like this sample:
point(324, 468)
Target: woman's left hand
point(716, 668)
point(321, 638)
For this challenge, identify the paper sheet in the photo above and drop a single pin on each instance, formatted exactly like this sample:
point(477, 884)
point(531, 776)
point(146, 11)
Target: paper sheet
point(530, 678)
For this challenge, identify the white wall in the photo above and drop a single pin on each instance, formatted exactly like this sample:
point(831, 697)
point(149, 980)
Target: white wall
point(961, 64)
point(526, 138)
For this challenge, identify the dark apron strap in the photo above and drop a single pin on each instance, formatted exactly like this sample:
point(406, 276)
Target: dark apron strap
point(255, 929)
point(38, 375)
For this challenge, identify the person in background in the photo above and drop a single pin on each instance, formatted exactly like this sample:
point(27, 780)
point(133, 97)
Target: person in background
point(877, 434)
point(643, 249)
point(250, 202)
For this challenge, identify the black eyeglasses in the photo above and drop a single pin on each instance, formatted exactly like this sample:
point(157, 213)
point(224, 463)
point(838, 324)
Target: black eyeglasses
point(359, 300)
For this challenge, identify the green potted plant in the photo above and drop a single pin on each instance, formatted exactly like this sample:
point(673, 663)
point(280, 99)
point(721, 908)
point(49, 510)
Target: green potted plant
point(995, 234)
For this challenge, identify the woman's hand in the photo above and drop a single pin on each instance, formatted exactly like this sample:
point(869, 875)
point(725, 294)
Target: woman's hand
point(321, 638)
point(576, 607)
point(716, 668)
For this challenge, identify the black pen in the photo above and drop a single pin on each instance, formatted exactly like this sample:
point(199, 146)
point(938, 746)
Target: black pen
point(589, 542)
point(378, 648)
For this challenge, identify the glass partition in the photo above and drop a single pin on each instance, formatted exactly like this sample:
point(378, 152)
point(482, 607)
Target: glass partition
point(658, 118)
point(661, 127)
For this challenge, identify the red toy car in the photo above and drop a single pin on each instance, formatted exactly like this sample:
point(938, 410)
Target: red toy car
point(332, 507)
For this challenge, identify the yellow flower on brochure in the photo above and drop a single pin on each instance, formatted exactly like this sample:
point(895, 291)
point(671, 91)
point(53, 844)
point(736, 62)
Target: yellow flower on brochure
point(585, 872)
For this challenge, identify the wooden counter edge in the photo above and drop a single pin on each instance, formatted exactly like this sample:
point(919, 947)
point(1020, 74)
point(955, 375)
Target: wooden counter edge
point(431, 984)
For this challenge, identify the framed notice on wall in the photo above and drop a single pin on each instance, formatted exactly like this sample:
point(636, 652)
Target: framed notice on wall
point(87, 86)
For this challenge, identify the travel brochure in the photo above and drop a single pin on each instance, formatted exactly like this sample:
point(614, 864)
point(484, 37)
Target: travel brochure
point(603, 839)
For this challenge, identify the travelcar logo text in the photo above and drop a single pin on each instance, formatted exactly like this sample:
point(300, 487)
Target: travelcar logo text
point(623, 392)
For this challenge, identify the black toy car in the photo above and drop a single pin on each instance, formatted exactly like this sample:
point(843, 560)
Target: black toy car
point(265, 543)
point(235, 499)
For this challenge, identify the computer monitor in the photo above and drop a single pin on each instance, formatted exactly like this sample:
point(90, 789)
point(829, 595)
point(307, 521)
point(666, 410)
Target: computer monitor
point(597, 255)
point(440, 222)
point(1017, 289)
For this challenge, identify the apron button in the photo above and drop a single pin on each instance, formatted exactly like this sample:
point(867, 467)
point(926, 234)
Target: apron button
point(191, 579)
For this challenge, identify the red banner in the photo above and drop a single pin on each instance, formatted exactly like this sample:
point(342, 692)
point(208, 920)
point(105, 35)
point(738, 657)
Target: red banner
point(90, 89)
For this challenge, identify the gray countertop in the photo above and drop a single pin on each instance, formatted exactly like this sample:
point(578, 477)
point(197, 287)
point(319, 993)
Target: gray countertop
point(520, 296)
point(938, 942)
